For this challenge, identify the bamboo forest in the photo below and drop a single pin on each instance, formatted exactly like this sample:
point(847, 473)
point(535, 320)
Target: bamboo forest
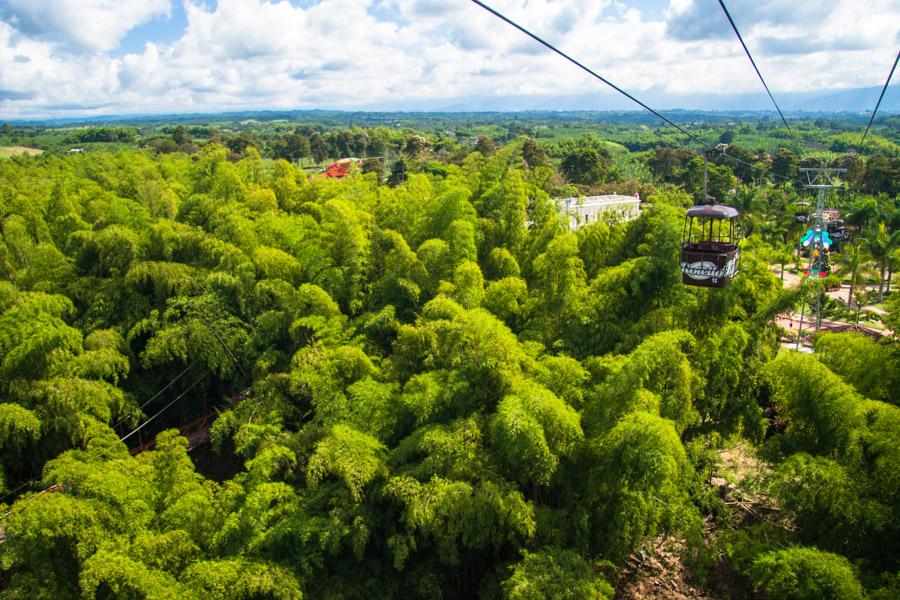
point(227, 376)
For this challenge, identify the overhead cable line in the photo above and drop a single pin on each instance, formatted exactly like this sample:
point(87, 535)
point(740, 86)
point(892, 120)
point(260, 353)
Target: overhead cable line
point(117, 423)
point(218, 337)
point(596, 75)
point(877, 104)
point(755, 68)
point(121, 439)
point(550, 46)
point(28, 499)
point(215, 333)
point(16, 489)
point(157, 394)
point(164, 408)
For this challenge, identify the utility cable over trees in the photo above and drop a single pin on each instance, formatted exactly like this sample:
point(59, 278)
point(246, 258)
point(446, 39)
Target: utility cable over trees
point(706, 146)
point(454, 394)
point(755, 68)
point(887, 82)
point(124, 438)
point(441, 375)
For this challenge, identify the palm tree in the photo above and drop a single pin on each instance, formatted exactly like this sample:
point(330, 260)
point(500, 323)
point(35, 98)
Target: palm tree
point(892, 261)
point(784, 252)
point(745, 197)
point(860, 297)
point(772, 232)
point(862, 211)
point(892, 218)
point(856, 263)
point(881, 244)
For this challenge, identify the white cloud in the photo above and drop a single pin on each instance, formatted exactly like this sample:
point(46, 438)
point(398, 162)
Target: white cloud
point(837, 44)
point(33, 73)
point(86, 24)
point(351, 53)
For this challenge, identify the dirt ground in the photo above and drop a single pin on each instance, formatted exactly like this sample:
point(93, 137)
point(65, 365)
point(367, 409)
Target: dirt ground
point(661, 574)
point(659, 571)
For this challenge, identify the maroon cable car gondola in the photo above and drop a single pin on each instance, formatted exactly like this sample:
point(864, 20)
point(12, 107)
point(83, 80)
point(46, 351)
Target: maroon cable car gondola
point(709, 251)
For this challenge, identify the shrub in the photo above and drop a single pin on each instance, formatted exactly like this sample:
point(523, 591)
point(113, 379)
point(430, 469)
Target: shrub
point(805, 574)
point(555, 574)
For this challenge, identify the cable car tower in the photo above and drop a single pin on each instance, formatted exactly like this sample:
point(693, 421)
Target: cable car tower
point(816, 238)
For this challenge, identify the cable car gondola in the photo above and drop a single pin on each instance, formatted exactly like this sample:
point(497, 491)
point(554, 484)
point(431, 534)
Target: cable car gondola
point(801, 212)
point(838, 232)
point(709, 251)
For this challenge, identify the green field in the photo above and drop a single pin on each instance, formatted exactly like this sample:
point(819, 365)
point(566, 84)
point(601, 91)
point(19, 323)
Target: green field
point(10, 151)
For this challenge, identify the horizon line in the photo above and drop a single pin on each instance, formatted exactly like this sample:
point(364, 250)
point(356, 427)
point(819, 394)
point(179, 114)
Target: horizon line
point(44, 120)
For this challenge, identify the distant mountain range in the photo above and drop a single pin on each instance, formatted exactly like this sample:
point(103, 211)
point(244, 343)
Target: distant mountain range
point(856, 101)
point(860, 100)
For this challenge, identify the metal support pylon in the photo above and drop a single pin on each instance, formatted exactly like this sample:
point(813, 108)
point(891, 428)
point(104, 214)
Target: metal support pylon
point(820, 179)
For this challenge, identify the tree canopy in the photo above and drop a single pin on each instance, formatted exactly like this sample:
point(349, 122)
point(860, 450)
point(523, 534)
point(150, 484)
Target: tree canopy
point(425, 387)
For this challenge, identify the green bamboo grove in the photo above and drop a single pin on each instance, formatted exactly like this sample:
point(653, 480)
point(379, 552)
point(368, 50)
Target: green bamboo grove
point(428, 390)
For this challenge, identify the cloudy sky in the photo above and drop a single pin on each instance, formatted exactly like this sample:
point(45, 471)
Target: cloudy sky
point(90, 57)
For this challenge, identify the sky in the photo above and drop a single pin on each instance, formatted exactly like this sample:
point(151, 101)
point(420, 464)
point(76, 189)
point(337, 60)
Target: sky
point(64, 58)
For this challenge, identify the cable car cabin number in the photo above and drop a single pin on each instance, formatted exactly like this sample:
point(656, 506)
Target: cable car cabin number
point(709, 253)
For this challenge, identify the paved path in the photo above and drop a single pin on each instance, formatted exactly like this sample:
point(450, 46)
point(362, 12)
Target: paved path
point(791, 321)
point(792, 280)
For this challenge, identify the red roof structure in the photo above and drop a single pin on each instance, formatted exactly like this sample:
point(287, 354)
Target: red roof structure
point(341, 168)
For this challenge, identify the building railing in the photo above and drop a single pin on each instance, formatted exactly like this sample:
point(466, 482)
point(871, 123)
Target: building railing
point(583, 210)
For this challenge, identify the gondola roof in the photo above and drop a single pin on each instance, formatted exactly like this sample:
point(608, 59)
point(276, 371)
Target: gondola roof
point(714, 211)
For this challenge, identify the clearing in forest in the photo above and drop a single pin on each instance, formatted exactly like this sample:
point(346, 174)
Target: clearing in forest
point(10, 151)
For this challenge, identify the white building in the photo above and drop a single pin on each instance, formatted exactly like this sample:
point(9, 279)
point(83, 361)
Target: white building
point(590, 209)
